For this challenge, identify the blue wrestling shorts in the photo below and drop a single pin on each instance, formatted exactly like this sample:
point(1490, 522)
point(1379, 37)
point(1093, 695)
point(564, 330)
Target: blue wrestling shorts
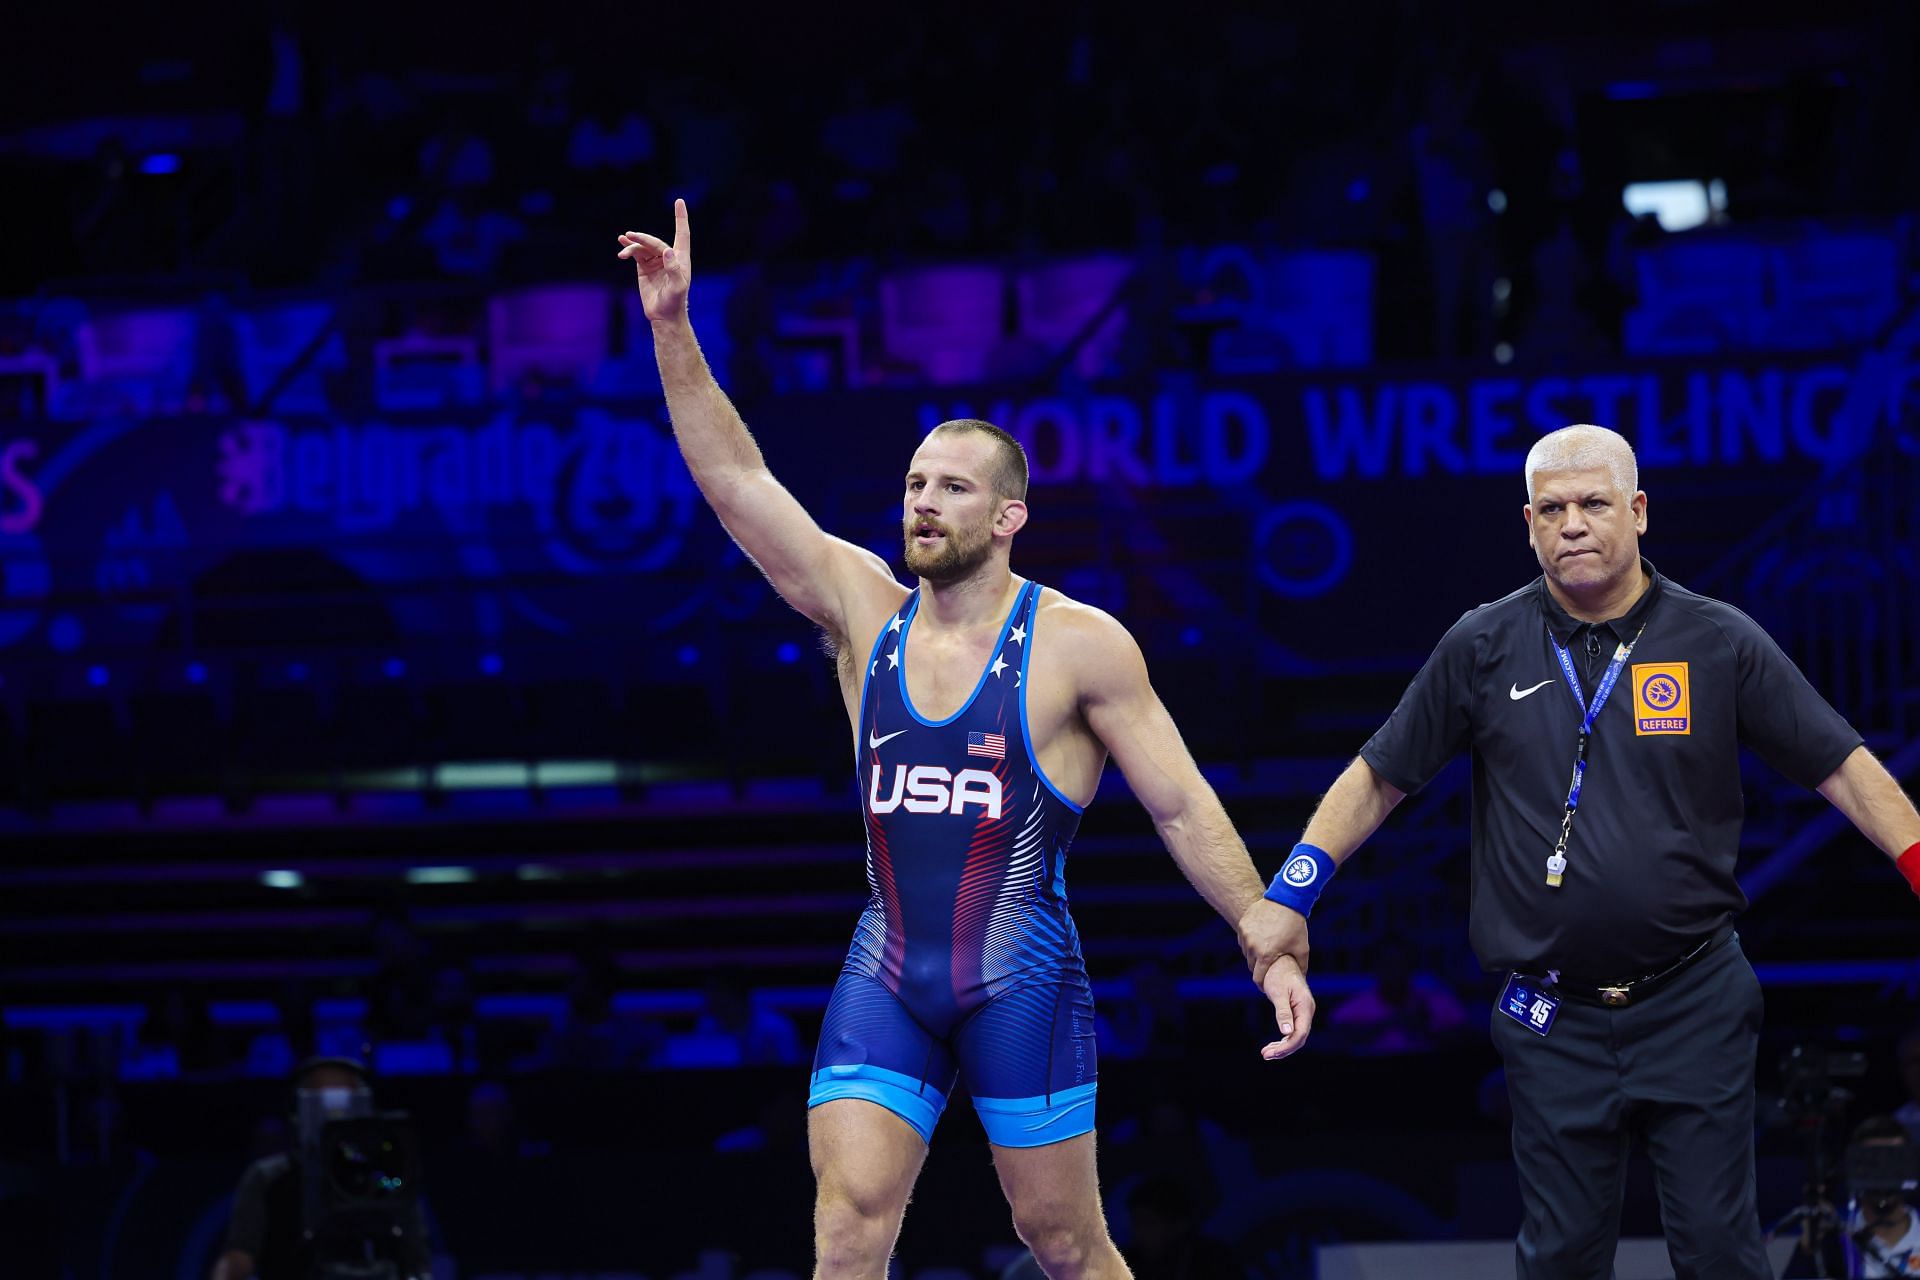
point(1026, 1057)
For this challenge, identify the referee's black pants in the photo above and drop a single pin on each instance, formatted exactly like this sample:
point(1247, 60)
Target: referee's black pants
point(1677, 1068)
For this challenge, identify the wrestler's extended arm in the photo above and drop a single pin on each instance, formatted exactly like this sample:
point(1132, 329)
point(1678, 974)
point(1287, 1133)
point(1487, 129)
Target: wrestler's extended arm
point(1119, 703)
point(824, 577)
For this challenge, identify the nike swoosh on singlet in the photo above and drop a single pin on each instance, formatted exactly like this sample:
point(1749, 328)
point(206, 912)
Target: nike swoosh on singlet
point(875, 742)
point(1517, 693)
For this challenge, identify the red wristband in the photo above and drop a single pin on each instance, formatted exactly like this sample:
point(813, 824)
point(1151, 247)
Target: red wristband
point(1909, 864)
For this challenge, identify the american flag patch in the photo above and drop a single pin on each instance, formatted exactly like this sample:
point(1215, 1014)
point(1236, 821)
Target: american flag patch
point(991, 745)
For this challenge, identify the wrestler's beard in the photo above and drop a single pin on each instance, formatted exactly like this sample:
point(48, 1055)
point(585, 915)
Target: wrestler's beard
point(956, 556)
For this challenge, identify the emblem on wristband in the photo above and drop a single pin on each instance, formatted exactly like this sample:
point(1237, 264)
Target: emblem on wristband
point(1301, 870)
point(1302, 876)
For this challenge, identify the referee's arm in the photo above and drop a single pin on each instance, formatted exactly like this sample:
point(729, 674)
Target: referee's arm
point(1431, 725)
point(1353, 809)
point(1870, 797)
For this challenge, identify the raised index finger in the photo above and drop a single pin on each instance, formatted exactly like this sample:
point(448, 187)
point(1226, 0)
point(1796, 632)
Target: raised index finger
point(682, 238)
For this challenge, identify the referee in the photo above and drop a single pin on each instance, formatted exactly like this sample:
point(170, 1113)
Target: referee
point(1605, 707)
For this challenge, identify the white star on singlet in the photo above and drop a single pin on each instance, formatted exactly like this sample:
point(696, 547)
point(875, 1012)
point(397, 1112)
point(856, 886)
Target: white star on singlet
point(999, 665)
point(1019, 635)
point(893, 659)
point(895, 625)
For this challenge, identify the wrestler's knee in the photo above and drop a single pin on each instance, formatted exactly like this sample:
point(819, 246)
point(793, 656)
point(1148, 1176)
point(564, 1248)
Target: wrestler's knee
point(854, 1224)
point(1063, 1243)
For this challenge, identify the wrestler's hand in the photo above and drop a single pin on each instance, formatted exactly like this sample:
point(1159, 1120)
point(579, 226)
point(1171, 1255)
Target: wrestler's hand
point(664, 271)
point(1268, 931)
point(1286, 985)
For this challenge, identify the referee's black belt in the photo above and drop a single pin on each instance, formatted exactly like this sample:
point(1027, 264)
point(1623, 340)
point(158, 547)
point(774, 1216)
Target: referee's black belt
point(1618, 995)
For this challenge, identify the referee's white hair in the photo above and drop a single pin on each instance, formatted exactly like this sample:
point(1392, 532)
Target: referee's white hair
point(1583, 447)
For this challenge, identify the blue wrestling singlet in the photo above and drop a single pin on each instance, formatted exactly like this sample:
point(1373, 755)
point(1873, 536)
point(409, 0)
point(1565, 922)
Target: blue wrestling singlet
point(965, 962)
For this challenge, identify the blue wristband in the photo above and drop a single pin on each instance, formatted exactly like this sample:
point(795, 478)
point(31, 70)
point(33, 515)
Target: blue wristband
point(1299, 883)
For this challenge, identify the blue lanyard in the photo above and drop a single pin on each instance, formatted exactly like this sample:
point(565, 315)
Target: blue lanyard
point(1557, 863)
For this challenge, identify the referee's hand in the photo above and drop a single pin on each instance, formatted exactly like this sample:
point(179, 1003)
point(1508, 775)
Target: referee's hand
point(1286, 986)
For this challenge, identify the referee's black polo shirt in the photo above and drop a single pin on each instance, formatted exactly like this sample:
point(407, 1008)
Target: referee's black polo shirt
point(1651, 863)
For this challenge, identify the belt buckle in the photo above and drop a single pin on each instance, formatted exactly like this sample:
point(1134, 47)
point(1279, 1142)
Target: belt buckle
point(1614, 997)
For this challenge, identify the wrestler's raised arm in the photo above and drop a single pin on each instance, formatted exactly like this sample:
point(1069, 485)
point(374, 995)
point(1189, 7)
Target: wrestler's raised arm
point(826, 578)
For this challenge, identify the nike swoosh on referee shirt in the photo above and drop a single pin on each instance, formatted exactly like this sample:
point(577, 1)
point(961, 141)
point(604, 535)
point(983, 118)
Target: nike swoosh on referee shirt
point(875, 742)
point(1517, 693)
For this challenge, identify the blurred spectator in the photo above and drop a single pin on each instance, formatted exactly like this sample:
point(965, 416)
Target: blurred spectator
point(453, 1014)
point(1557, 325)
point(1883, 1228)
point(1167, 1243)
point(706, 139)
point(495, 1174)
point(627, 144)
point(286, 87)
point(105, 217)
point(1403, 1012)
point(550, 89)
point(595, 1038)
point(1907, 1058)
point(1492, 1100)
point(178, 1026)
point(751, 319)
point(467, 238)
point(944, 208)
point(1149, 1022)
point(295, 1005)
point(493, 1129)
point(284, 167)
point(780, 221)
point(270, 1136)
point(216, 384)
point(149, 1053)
point(1879, 1236)
point(865, 137)
point(401, 995)
point(455, 157)
point(1453, 174)
point(100, 1125)
point(1626, 236)
point(780, 1126)
point(734, 1030)
point(266, 1233)
point(1170, 1139)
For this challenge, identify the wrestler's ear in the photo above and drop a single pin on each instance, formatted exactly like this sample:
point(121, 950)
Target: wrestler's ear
point(1011, 518)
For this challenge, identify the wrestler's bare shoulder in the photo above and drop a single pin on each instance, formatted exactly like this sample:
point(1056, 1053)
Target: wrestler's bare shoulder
point(1080, 637)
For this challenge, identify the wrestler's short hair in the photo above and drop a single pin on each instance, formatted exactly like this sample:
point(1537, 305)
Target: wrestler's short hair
point(1581, 447)
point(1010, 466)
